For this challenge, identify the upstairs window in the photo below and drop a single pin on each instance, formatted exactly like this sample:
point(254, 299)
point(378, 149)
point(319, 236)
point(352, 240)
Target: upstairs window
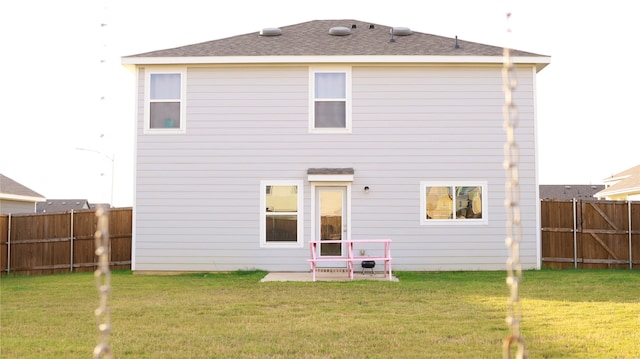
point(453, 203)
point(330, 108)
point(164, 108)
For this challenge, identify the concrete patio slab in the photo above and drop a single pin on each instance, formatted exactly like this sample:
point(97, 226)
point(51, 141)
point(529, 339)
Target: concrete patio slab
point(323, 277)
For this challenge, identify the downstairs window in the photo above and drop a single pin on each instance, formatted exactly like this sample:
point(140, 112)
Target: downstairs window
point(281, 214)
point(453, 203)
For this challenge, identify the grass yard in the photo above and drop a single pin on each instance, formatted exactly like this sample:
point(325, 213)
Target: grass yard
point(567, 314)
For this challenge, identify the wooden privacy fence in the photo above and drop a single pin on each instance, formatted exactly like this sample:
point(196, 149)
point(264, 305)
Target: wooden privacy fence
point(578, 233)
point(590, 234)
point(47, 243)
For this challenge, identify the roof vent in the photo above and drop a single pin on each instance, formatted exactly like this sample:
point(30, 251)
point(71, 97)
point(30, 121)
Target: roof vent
point(400, 31)
point(340, 31)
point(354, 26)
point(371, 26)
point(271, 31)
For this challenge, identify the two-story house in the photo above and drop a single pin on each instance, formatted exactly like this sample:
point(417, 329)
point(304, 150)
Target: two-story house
point(249, 147)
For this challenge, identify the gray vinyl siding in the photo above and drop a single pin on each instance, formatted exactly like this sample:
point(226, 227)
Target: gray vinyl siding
point(11, 206)
point(198, 193)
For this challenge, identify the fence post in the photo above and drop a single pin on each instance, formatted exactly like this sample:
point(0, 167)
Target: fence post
point(630, 241)
point(71, 239)
point(9, 245)
point(575, 235)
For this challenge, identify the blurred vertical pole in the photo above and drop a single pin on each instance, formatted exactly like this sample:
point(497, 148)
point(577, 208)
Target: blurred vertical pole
point(515, 343)
point(102, 246)
point(104, 103)
point(575, 232)
point(71, 242)
point(630, 236)
point(9, 244)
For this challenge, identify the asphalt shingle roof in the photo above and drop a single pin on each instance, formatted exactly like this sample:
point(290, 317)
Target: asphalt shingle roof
point(330, 171)
point(567, 192)
point(61, 205)
point(313, 39)
point(11, 187)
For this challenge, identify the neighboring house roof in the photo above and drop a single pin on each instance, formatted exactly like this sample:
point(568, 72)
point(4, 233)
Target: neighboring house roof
point(313, 39)
point(95, 205)
point(61, 205)
point(566, 192)
point(627, 181)
point(10, 189)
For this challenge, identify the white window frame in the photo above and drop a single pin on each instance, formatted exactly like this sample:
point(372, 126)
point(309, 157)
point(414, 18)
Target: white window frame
point(147, 100)
point(263, 214)
point(454, 221)
point(312, 100)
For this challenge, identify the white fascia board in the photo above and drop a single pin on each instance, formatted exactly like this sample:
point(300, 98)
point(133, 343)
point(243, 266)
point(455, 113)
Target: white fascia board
point(617, 191)
point(539, 61)
point(615, 180)
point(16, 197)
point(330, 178)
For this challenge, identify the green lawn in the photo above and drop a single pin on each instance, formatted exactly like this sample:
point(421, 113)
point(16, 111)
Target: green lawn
point(567, 314)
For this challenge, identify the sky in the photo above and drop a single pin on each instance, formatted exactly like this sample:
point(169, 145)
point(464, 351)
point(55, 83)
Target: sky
point(68, 103)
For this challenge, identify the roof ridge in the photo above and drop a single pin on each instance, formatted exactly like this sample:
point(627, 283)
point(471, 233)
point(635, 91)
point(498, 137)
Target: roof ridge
point(312, 38)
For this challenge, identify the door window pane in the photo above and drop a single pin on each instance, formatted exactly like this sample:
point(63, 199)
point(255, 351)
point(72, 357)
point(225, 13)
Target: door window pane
point(331, 222)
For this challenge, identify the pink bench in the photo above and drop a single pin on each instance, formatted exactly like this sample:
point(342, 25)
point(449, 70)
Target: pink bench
point(351, 258)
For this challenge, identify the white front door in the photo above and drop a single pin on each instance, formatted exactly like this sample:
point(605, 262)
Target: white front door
point(331, 220)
